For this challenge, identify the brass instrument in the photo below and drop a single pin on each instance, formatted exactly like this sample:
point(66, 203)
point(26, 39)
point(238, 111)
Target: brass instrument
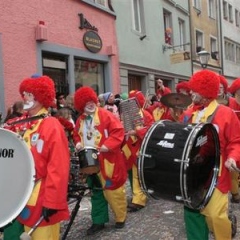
point(130, 114)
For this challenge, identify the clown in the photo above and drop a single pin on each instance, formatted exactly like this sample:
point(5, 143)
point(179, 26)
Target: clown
point(49, 146)
point(204, 87)
point(131, 147)
point(182, 87)
point(96, 127)
point(223, 97)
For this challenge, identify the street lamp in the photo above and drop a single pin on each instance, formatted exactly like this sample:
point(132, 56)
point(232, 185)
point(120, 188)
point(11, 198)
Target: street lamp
point(203, 58)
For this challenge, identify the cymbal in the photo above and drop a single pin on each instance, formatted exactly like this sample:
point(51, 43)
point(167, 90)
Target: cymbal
point(176, 100)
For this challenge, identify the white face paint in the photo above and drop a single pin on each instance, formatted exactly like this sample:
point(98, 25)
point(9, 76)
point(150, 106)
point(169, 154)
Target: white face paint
point(90, 107)
point(196, 97)
point(28, 105)
point(221, 90)
point(29, 101)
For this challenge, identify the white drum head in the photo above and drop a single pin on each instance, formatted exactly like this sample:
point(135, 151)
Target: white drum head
point(17, 175)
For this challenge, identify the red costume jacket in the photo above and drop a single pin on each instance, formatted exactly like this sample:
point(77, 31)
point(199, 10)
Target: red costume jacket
point(232, 103)
point(52, 161)
point(228, 127)
point(109, 132)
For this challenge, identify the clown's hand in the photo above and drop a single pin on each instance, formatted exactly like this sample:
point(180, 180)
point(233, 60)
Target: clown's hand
point(230, 164)
point(79, 146)
point(103, 148)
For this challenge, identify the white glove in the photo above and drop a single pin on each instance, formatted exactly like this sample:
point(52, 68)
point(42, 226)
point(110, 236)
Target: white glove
point(103, 148)
point(79, 146)
point(231, 164)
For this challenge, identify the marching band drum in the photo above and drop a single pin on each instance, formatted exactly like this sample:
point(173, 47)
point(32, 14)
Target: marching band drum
point(17, 175)
point(180, 162)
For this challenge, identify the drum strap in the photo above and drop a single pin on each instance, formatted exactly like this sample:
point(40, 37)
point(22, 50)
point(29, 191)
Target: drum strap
point(210, 118)
point(29, 119)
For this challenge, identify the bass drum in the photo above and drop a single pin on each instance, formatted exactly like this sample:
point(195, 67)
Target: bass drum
point(180, 162)
point(17, 175)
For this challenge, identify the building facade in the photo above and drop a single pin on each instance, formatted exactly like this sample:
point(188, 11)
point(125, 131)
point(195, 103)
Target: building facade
point(74, 42)
point(206, 33)
point(230, 21)
point(154, 42)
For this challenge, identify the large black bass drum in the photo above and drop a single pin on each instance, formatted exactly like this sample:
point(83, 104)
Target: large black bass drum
point(180, 162)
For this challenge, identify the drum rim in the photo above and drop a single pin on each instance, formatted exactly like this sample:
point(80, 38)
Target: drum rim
point(30, 186)
point(183, 177)
point(88, 148)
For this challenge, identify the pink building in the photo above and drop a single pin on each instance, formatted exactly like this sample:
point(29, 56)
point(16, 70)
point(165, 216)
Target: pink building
point(74, 42)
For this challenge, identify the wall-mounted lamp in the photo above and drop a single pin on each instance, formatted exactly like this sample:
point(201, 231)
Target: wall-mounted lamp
point(41, 32)
point(203, 58)
point(142, 37)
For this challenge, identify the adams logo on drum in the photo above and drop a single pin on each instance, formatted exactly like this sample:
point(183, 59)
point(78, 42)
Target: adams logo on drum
point(166, 144)
point(6, 153)
point(201, 141)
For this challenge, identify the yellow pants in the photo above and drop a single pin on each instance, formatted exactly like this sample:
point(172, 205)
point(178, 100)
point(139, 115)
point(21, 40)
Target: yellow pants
point(216, 213)
point(234, 182)
point(51, 232)
point(138, 195)
point(117, 200)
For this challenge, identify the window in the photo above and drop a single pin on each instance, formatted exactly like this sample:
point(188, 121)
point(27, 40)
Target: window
point(138, 16)
point(211, 9)
point(237, 17)
point(238, 53)
point(197, 4)
point(167, 21)
point(230, 13)
point(182, 36)
point(229, 51)
point(214, 48)
point(199, 41)
point(225, 10)
point(88, 73)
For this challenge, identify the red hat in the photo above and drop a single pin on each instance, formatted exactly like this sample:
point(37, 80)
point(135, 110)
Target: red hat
point(82, 96)
point(138, 95)
point(182, 85)
point(224, 82)
point(235, 86)
point(42, 88)
point(206, 83)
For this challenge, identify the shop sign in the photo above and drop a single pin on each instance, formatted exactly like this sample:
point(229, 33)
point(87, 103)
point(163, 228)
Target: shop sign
point(92, 41)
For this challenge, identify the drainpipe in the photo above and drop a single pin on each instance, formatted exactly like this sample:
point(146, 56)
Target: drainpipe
point(221, 42)
point(190, 40)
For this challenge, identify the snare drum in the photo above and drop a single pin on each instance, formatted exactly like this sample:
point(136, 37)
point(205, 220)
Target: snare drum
point(88, 160)
point(180, 162)
point(17, 175)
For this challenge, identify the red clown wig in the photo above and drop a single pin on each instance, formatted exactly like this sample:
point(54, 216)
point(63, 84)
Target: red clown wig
point(182, 85)
point(42, 88)
point(235, 86)
point(138, 95)
point(206, 83)
point(224, 82)
point(82, 96)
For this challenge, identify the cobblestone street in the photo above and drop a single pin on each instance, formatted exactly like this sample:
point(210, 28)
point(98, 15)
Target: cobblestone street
point(159, 220)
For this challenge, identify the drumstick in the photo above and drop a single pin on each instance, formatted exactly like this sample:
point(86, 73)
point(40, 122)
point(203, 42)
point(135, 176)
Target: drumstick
point(235, 168)
point(27, 236)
